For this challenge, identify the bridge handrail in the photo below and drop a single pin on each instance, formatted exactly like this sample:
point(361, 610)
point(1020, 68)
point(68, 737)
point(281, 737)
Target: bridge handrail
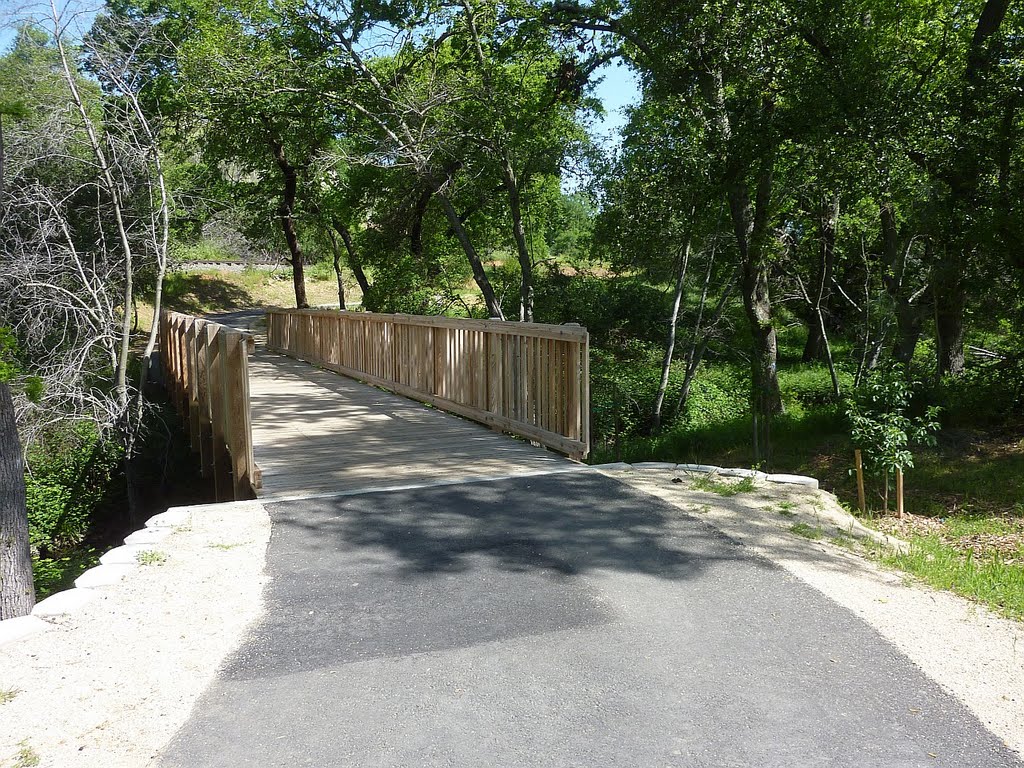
point(206, 371)
point(529, 379)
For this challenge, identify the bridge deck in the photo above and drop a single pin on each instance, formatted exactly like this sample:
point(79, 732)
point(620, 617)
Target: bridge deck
point(315, 432)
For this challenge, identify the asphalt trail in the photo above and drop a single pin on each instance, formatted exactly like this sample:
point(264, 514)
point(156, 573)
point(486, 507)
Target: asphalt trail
point(563, 620)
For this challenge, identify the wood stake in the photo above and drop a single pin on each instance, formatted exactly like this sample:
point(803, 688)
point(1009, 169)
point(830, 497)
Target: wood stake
point(899, 492)
point(860, 481)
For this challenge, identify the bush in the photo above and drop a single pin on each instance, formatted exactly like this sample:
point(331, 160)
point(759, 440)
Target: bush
point(717, 395)
point(623, 386)
point(321, 270)
point(71, 474)
point(610, 308)
point(985, 396)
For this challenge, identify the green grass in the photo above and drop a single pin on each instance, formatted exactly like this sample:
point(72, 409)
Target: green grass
point(151, 557)
point(807, 531)
point(26, 756)
point(225, 547)
point(8, 694)
point(722, 488)
point(987, 579)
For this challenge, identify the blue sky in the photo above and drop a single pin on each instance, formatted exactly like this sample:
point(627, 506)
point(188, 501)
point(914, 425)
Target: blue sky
point(618, 89)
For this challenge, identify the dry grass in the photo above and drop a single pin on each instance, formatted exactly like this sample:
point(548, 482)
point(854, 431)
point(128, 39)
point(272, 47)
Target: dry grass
point(213, 291)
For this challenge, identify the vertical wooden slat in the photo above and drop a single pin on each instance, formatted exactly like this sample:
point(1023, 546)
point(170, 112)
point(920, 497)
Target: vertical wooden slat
point(217, 417)
point(572, 389)
point(534, 376)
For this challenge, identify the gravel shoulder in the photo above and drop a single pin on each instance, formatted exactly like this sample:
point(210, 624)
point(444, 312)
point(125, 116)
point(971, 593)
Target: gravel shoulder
point(975, 655)
point(110, 684)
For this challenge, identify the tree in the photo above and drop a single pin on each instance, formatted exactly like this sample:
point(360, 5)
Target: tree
point(17, 593)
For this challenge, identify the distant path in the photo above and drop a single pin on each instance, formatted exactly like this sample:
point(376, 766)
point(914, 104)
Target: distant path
point(317, 432)
point(555, 621)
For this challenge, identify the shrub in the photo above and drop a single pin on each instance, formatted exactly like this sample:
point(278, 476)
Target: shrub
point(610, 308)
point(71, 474)
point(880, 424)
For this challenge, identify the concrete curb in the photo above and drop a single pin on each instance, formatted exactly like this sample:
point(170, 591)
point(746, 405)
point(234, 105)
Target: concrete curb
point(103, 575)
point(115, 565)
point(126, 554)
point(12, 630)
point(62, 603)
point(621, 466)
point(845, 522)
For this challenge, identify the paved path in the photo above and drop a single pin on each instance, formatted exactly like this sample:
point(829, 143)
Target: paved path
point(563, 620)
point(316, 432)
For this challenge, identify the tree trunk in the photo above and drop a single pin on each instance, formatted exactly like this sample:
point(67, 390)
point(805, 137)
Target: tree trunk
point(767, 398)
point(355, 263)
point(767, 395)
point(964, 178)
point(670, 343)
point(416, 230)
point(479, 275)
point(907, 304)
point(909, 322)
point(519, 235)
point(950, 301)
point(750, 225)
point(17, 593)
point(828, 220)
point(336, 251)
point(286, 214)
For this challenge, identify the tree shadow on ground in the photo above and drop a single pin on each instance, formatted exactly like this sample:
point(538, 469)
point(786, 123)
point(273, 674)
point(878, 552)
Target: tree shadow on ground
point(199, 294)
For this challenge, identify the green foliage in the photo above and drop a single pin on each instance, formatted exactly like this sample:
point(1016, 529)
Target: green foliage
point(151, 557)
point(984, 396)
point(12, 368)
point(71, 473)
point(609, 307)
point(8, 346)
point(53, 574)
point(202, 250)
point(718, 395)
point(880, 424)
point(622, 387)
point(320, 270)
point(200, 294)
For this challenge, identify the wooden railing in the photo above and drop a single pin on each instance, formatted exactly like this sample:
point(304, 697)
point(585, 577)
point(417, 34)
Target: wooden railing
point(206, 371)
point(525, 378)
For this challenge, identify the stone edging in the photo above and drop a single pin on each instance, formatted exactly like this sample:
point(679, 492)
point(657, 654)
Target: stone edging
point(114, 566)
point(839, 517)
point(709, 469)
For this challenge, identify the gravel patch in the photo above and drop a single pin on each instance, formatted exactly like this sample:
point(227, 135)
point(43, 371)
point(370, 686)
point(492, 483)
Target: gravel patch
point(109, 684)
point(975, 655)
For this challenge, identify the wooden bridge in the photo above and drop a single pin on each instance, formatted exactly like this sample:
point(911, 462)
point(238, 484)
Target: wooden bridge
point(276, 420)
